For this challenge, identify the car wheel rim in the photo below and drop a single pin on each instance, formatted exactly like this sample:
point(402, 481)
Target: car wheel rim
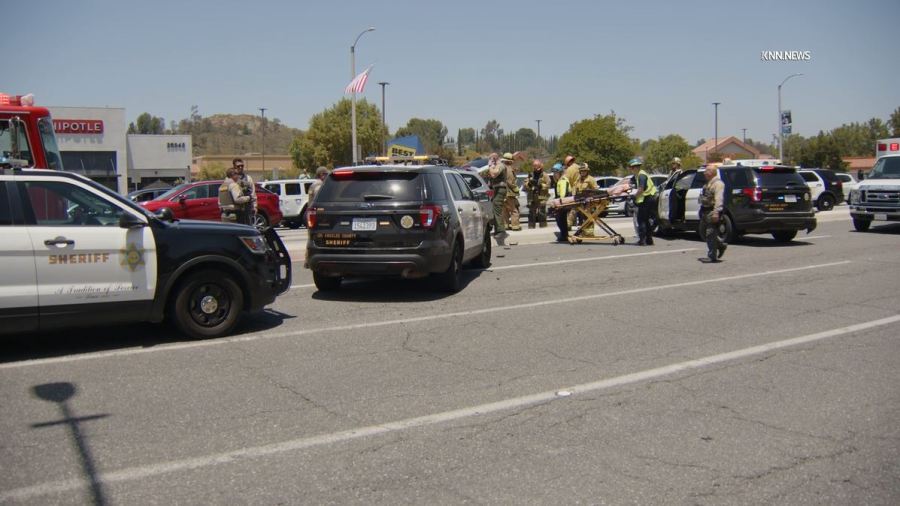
point(209, 305)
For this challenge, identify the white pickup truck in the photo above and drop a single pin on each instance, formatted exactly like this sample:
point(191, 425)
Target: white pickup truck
point(877, 198)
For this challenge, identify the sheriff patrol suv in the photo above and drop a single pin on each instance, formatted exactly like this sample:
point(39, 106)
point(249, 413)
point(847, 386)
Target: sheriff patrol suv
point(74, 253)
point(396, 220)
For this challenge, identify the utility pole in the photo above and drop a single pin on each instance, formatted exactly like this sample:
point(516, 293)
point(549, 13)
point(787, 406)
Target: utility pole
point(745, 134)
point(383, 138)
point(539, 132)
point(262, 111)
point(716, 142)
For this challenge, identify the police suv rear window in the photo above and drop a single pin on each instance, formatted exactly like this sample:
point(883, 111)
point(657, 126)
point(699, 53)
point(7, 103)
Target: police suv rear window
point(777, 177)
point(361, 186)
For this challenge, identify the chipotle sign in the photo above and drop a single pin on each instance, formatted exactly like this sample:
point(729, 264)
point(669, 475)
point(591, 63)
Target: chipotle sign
point(78, 126)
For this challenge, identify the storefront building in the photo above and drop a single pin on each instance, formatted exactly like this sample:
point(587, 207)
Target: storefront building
point(94, 141)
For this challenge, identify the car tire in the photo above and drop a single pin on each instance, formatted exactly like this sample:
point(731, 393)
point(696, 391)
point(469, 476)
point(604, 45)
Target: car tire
point(784, 235)
point(861, 224)
point(730, 235)
point(825, 202)
point(483, 260)
point(207, 304)
point(326, 283)
point(260, 220)
point(450, 280)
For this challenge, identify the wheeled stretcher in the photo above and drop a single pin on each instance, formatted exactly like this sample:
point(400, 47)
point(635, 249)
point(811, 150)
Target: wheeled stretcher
point(589, 207)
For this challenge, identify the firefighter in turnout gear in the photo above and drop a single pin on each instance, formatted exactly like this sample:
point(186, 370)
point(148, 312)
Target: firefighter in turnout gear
point(232, 201)
point(538, 188)
point(511, 205)
point(583, 183)
point(711, 221)
point(497, 176)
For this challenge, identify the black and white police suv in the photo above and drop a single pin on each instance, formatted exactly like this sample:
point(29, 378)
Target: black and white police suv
point(74, 253)
point(395, 220)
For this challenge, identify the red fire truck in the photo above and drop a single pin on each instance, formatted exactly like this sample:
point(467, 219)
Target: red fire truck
point(26, 134)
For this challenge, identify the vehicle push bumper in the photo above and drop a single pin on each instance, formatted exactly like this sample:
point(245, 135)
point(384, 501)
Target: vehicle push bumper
point(761, 222)
point(875, 213)
point(273, 277)
point(407, 263)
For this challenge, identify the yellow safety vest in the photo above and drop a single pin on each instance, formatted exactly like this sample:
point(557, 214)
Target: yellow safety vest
point(562, 188)
point(649, 191)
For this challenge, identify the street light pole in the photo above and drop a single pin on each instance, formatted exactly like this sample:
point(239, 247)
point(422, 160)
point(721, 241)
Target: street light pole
point(262, 112)
point(745, 134)
point(353, 104)
point(716, 142)
point(383, 138)
point(780, 127)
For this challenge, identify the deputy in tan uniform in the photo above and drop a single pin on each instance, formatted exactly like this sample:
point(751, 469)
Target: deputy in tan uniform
point(584, 182)
point(538, 188)
point(712, 202)
point(233, 204)
point(511, 204)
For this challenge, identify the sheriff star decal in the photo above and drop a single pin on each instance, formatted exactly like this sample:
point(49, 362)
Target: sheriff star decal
point(132, 257)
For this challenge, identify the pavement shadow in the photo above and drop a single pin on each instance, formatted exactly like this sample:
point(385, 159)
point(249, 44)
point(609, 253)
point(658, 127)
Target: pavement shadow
point(61, 394)
point(380, 290)
point(68, 342)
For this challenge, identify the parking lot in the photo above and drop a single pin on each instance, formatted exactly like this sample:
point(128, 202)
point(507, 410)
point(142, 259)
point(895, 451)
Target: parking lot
point(562, 374)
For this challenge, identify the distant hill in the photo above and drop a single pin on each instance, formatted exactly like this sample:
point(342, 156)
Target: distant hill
point(236, 134)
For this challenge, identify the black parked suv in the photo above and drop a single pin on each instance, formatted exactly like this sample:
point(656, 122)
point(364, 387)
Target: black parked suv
point(393, 220)
point(758, 200)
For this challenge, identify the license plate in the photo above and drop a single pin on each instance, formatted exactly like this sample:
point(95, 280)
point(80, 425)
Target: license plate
point(790, 198)
point(881, 217)
point(363, 224)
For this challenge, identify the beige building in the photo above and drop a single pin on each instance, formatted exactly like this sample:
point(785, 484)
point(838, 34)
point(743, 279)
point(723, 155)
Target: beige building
point(276, 166)
point(728, 147)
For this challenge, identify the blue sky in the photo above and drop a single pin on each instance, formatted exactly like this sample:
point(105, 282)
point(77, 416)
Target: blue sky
point(658, 64)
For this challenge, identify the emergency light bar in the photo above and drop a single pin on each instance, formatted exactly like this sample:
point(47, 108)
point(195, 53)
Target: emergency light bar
point(22, 100)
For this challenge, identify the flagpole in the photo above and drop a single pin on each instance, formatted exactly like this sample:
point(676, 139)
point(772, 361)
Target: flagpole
point(353, 101)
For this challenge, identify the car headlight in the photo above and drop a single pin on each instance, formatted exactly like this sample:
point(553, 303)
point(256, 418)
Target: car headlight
point(254, 243)
point(854, 195)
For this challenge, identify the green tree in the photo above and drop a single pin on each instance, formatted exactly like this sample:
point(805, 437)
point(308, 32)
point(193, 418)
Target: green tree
point(328, 140)
point(658, 153)
point(213, 170)
point(894, 123)
point(525, 138)
point(466, 137)
point(430, 131)
point(602, 142)
point(147, 124)
point(490, 135)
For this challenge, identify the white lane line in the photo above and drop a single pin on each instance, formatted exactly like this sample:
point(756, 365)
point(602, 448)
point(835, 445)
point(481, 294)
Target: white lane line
point(589, 259)
point(405, 321)
point(558, 262)
point(235, 456)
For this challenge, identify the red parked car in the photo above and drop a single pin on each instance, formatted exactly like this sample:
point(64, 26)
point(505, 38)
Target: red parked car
point(200, 201)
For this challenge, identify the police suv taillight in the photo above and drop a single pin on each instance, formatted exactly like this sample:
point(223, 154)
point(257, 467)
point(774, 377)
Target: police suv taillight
point(755, 194)
point(428, 215)
point(311, 218)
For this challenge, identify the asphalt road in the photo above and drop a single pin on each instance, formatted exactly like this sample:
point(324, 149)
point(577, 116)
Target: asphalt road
point(564, 374)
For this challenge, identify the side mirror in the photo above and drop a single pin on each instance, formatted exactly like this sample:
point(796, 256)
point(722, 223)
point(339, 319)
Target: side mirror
point(181, 199)
point(165, 214)
point(128, 220)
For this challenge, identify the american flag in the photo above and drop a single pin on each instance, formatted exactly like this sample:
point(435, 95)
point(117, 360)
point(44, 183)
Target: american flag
point(358, 84)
